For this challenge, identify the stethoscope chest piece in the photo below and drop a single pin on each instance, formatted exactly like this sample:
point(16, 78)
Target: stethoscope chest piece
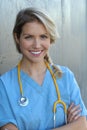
point(23, 101)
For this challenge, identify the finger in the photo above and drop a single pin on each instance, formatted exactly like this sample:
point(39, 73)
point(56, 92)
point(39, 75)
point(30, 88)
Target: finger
point(73, 119)
point(74, 115)
point(73, 109)
point(71, 106)
point(73, 112)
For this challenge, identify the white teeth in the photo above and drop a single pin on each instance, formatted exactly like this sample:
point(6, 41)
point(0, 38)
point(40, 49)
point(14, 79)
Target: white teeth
point(33, 52)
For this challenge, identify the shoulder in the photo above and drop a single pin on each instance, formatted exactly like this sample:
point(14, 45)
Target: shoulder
point(68, 78)
point(65, 70)
point(9, 74)
point(67, 74)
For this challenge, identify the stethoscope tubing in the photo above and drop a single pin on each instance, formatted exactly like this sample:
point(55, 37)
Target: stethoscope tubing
point(23, 101)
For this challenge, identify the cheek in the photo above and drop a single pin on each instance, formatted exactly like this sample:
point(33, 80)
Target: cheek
point(47, 44)
point(24, 45)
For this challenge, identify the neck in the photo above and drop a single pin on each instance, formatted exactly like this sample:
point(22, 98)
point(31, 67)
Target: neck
point(33, 68)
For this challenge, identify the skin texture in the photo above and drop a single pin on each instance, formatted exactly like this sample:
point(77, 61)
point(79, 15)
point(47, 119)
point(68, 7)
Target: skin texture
point(79, 124)
point(73, 113)
point(34, 38)
point(9, 127)
point(34, 43)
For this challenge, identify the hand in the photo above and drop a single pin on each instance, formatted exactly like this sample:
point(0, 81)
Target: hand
point(73, 113)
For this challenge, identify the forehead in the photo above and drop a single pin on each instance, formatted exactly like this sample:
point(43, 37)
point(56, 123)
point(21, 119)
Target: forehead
point(33, 27)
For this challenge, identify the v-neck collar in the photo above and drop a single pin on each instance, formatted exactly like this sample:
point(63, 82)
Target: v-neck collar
point(32, 82)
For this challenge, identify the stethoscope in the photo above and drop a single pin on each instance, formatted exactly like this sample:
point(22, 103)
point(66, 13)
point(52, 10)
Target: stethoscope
point(23, 101)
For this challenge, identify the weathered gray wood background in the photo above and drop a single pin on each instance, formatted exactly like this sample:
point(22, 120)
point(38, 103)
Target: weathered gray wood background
point(70, 50)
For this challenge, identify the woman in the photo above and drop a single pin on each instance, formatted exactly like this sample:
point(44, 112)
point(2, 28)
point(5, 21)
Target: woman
point(31, 90)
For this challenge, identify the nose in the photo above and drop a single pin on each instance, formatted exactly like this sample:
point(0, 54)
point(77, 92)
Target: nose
point(36, 43)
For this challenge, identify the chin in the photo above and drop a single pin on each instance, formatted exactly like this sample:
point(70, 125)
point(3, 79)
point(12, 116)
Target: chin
point(36, 60)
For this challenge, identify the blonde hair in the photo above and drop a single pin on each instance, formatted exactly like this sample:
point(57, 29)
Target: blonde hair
point(56, 70)
point(33, 14)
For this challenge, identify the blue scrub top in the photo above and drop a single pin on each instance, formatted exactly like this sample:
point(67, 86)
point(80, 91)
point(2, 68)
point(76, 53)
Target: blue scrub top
point(38, 114)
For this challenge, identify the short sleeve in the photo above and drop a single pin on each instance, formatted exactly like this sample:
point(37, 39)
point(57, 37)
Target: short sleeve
point(75, 95)
point(6, 114)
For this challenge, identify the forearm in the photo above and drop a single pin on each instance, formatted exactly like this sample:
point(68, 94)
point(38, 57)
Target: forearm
point(9, 127)
point(79, 124)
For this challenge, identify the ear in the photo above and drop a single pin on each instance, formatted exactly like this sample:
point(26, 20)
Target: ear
point(16, 38)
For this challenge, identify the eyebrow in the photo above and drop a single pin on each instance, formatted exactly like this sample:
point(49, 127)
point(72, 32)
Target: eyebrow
point(32, 34)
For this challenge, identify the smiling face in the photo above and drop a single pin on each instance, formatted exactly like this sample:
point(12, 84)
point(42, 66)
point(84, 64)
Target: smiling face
point(34, 42)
